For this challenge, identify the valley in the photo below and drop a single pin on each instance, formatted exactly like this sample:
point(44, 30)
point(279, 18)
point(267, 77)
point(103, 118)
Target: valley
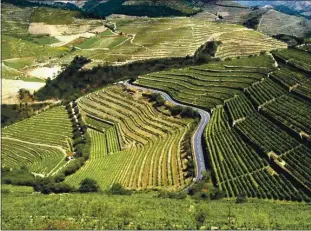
point(155, 115)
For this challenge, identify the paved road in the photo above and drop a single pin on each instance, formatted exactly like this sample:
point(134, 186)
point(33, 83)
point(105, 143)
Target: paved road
point(197, 138)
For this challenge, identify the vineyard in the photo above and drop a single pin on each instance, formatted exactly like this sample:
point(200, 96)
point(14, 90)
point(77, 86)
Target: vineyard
point(133, 143)
point(298, 58)
point(244, 43)
point(256, 138)
point(40, 142)
point(212, 84)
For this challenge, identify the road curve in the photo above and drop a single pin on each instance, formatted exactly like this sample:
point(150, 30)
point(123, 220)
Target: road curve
point(196, 138)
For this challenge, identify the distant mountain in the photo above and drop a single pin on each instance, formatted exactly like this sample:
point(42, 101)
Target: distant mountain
point(298, 8)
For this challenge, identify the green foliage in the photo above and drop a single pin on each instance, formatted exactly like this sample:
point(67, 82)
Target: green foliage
point(88, 185)
point(13, 113)
point(189, 112)
point(118, 189)
point(20, 176)
point(200, 218)
point(173, 195)
point(241, 198)
point(145, 211)
point(47, 186)
point(176, 109)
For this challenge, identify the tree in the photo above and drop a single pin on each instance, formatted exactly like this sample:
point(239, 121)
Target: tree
point(88, 185)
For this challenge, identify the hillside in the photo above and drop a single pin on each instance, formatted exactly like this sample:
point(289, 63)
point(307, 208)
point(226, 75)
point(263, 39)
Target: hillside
point(40, 143)
point(116, 41)
point(251, 108)
point(132, 143)
point(154, 114)
point(274, 22)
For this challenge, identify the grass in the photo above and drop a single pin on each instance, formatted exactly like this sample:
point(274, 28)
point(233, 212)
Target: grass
point(143, 148)
point(19, 63)
point(17, 48)
point(144, 211)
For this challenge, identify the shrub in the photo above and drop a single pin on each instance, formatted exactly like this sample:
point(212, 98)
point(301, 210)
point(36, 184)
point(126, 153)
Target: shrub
point(263, 52)
point(118, 189)
point(189, 112)
point(176, 110)
point(160, 101)
point(88, 185)
point(18, 176)
point(241, 198)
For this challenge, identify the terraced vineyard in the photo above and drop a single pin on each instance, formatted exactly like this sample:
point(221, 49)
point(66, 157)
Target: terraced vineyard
point(298, 83)
point(210, 84)
point(258, 133)
point(151, 154)
point(243, 43)
point(298, 58)
point(240, 169)
point(40, 142)
point(161, 38)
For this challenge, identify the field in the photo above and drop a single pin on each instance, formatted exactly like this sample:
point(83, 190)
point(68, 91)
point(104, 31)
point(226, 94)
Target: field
point(40, 142)
point(144, 211)
point(259, 131)
point(132, 143)
point(299, 59)
point(212, 84)
point(131, 39)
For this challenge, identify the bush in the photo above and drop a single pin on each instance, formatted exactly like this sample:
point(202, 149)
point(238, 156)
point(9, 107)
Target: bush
point(60, 177)
point(176, 110)
point(118, 189)
point(18, 176)
point(88, 185)
point(189, 112)
point(241, 198)
point(159, 101)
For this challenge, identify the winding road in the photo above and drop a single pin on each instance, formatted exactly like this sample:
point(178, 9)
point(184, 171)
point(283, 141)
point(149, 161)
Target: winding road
point(196, 138)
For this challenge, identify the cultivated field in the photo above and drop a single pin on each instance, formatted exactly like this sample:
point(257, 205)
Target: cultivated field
point(259, 136)
point(132, 143)
point(40, 142)
point(210, 85)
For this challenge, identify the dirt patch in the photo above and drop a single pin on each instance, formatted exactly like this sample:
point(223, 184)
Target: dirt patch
point(66, 33)
point(44, 72)
point(10, 89)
